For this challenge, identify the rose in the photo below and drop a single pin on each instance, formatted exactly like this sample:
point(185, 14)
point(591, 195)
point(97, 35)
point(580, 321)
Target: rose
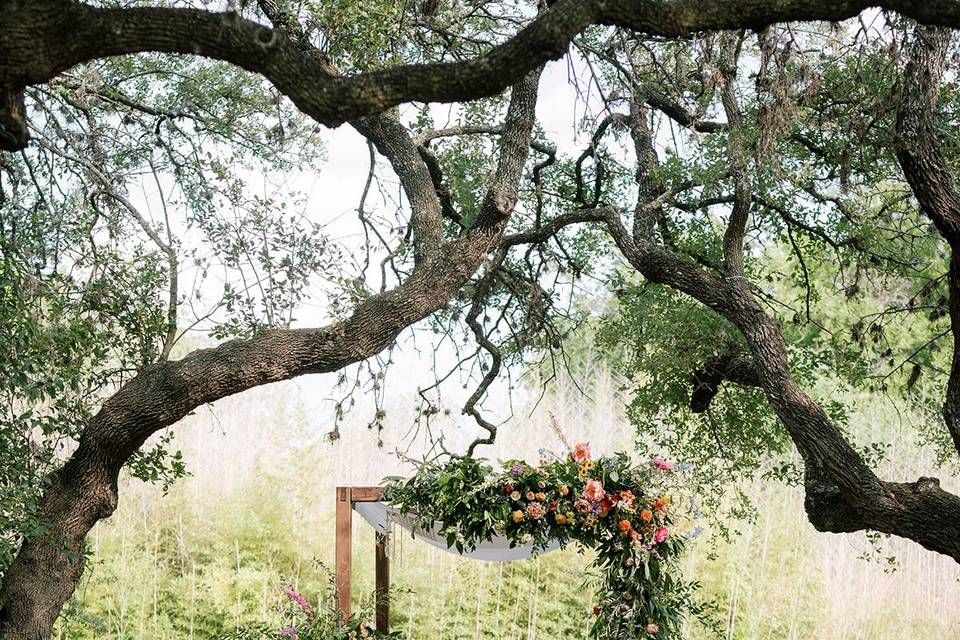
point(661, 535)
point(582, 505)
point(652, 628)
point(646, 515)
point(531, 495)
point(593, 491)
point(625, 527)
point(515, 496)
point(581, 452)
point(518, 516)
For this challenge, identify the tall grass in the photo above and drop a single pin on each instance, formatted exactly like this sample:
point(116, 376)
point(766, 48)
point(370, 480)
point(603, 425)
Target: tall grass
point(257, 514)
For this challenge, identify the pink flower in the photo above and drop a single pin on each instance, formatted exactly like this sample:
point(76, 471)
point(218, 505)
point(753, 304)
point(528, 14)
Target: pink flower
point(581, 452)
point(594, 491)
point(661, 464)
point(661, 535)
point(652, 628)
point(299, 599)
point(582, 505)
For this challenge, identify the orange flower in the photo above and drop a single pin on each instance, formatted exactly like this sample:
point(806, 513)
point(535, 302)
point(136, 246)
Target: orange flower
point(646, 515)
point(625, 527)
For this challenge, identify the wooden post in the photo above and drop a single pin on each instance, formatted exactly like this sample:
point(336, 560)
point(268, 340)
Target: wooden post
point(344, 549)
point(383, 585)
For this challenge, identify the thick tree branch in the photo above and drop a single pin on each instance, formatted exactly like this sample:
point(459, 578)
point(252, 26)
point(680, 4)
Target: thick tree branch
point(390, 138)
point(845, 495)
point(928, 173)
point(736, 149)
point(45, 37)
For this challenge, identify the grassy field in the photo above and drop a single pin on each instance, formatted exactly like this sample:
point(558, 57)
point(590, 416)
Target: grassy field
point(257, 515)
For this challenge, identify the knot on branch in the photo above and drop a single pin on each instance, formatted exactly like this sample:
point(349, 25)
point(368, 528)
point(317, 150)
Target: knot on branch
point(827, 509)
point(504, 202)
point(706, 381)
point(924, 484)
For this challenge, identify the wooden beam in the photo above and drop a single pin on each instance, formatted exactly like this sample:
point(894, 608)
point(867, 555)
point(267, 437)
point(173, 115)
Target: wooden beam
point(344, 549)
point(366, 494)
point(383, 585)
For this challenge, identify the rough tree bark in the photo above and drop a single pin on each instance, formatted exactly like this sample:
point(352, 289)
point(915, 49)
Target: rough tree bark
point(926, 169)
point(41, 38)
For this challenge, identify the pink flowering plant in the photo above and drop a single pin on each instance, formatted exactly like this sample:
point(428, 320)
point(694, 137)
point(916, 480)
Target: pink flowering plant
point(304, 620)
point(626, 512)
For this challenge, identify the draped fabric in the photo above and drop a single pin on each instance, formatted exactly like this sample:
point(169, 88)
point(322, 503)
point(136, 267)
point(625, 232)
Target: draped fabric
point(381, 516)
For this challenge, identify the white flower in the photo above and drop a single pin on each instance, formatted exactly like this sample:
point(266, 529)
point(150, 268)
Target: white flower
point(526, 539)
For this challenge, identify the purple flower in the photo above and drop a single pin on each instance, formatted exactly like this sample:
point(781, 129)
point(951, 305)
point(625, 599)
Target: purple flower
point(289, 632)
point(517, 469)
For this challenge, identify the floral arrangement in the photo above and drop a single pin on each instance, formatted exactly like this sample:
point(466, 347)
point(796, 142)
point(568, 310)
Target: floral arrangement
point(625, 512)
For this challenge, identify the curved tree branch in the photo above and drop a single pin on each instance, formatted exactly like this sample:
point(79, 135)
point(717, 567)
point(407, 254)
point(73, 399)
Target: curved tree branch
point(45, 37)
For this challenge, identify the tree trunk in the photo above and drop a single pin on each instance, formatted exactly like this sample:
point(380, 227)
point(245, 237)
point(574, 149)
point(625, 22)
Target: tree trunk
point(48, 566)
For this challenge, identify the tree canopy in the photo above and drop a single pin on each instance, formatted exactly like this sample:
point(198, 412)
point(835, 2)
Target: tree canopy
point(763, 203)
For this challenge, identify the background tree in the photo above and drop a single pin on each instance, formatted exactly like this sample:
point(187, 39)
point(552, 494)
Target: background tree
point(118, 279)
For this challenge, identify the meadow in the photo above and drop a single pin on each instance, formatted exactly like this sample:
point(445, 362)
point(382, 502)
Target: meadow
point(214, 552)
